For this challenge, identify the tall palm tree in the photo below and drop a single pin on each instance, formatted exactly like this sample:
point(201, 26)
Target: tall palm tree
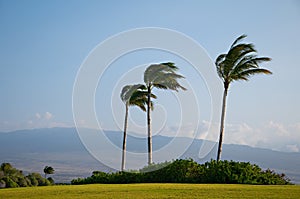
point(239, 63)
point(132, 95)
point(162, 76)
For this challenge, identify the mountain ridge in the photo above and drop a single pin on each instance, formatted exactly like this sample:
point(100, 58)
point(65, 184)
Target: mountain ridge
point(61, 148)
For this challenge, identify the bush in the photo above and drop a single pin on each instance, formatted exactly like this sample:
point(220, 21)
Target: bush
point(37, 180)
point(189, 171)
point(51, 180)
point(11, 177)
point(2, 184)
point(10, 183)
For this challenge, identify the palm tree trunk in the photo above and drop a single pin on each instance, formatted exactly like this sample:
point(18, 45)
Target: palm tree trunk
point(149, 126)
point(124, 139)
point(222, 122)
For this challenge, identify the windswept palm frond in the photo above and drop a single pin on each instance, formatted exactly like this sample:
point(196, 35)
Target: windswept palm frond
point(135, 95)
point(170, 65)
point(240, 58)
point(168, 81)
point(238, 40)
point(248, 62)
point(234, 55)
point(155, 70)
point(140, 98)
point(129, 90)
point(247, 73)
point(125, 90)
point(160, 86)
point(162, 76)
point(220, 64)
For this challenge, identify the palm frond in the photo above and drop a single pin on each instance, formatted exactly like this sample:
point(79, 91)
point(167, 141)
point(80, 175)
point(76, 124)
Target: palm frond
point(244, 63)
point(240, 62)
point(152, 106)
point(220, 65)
point(136, 95)
point(235, 54)
point(247, 73)
point(220, 59)
point(128, 91)
point(169, 81)
point(125, 90)
point(141, 103)
point(258, 60)
point(248, 62)
point(238, 51)
point(155, 70)
point(163, 76)
point(238, 40)
point(153, 96)
point(160, 86)
point(141, 94)
point(171, 65)
point(150, 72)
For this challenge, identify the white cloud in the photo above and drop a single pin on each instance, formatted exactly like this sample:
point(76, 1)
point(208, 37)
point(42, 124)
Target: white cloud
point(292, 147)
point(272, 135)
point(37, 120)
point(48, 116)
point(187, 130)
point(38, 116)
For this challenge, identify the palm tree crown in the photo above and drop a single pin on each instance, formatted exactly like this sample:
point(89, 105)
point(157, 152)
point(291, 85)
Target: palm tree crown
point(163, 76)
point(240, 62)
point(135, 95)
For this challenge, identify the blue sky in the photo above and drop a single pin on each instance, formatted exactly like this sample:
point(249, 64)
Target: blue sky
point(43, 44)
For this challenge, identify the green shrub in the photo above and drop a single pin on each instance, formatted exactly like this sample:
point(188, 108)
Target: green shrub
point(189, 171)
point(2, 184)
point(51, 180)
point(11, 177)
point(10, 183)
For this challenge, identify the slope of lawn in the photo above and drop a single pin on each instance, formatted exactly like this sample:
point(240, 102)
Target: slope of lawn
point(154, 191)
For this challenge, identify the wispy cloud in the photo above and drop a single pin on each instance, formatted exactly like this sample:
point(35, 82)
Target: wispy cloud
point(48, 116)
point(271, 135)
point(37, 120)
point(38, 116)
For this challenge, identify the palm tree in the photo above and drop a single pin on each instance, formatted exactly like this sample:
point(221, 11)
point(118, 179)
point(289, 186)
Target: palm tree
point(162, 76)
point(48, 170)
point(132, 95)
point(239, 63)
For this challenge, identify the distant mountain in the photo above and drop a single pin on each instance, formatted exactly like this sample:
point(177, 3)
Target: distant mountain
point(61, 148)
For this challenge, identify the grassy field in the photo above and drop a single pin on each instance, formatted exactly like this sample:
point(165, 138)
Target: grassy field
point(153, 191)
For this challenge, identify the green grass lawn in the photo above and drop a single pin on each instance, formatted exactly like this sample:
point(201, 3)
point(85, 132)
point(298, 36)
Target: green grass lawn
point(153, 191)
